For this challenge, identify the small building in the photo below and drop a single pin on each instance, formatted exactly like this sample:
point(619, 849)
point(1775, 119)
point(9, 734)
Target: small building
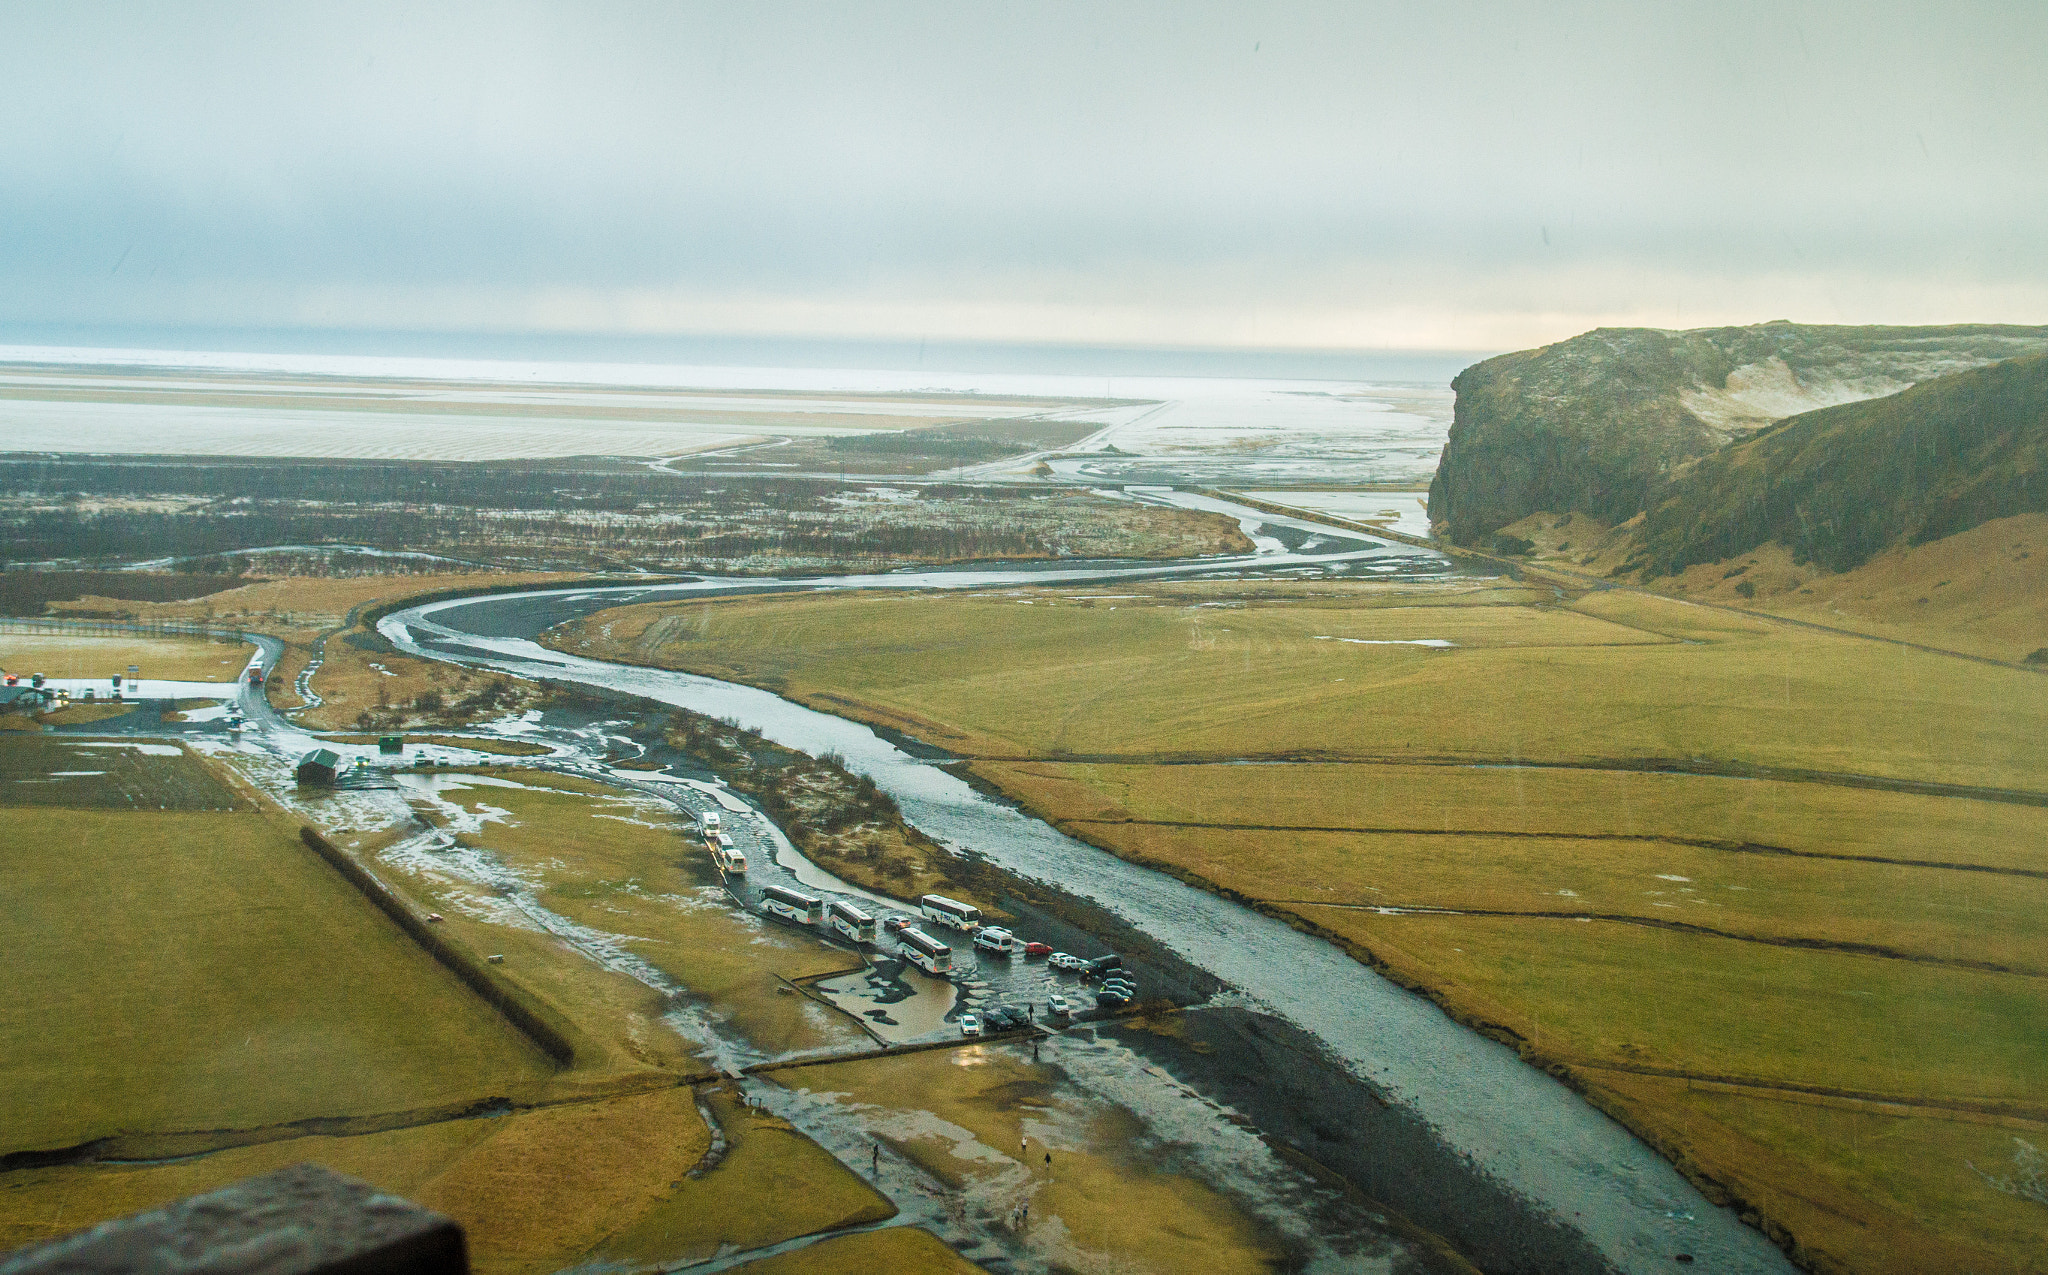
point(320, 768)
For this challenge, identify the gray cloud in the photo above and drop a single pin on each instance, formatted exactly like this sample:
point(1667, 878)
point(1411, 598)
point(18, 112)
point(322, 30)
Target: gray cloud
point(1460, 175)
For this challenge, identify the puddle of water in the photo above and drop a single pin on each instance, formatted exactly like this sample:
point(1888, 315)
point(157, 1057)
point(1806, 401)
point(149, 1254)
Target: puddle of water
point(900, 1008)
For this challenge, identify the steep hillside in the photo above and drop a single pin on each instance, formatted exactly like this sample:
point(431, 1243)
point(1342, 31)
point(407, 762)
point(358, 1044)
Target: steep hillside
point(1840, 485)
point(1598, 424)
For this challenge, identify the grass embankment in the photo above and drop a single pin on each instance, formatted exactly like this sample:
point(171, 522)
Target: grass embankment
point(1851, 1047)
point(1102, 1203)
point(160, 659)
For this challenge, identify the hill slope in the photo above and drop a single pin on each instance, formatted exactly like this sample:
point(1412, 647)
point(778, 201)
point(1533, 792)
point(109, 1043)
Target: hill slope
point(1599, 424)
point(1842, 484)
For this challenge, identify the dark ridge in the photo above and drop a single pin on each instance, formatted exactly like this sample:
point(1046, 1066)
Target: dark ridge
point(1841, 485)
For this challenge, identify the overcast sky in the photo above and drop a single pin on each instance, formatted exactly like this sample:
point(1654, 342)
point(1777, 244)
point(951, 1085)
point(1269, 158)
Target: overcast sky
point(1462, 176)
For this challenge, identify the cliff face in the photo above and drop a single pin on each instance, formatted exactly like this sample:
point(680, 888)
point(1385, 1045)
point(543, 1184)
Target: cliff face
point(1840, 485)
point(1598, 424)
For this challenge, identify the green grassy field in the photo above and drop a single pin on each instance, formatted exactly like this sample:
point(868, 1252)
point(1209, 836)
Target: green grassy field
point(205, 972)
point(86, 655)
point(1716, 958)
point(113, 774)
point(182, 971)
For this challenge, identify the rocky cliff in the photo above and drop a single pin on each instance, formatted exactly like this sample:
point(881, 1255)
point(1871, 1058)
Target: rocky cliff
point(1600, 423)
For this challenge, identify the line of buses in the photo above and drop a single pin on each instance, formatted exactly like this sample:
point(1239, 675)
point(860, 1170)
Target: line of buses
point(719, 842)
point(845, 918)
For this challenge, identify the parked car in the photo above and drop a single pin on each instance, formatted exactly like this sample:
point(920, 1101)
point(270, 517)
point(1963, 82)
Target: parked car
point(1058, 1006)
point(1062, 961)
point(1037, 949)
point(994, 938)
point(895, 924)
point(1111, 1000)
point(1001, 1018)
point(970, 1025)
point(1102, 965)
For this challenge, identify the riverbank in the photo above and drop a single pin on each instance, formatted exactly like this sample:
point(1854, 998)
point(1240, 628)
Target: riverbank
point(1499, 1117)
point(1539, 903)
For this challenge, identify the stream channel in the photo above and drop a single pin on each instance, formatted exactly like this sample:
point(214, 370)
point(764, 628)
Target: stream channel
point(1483, 1126)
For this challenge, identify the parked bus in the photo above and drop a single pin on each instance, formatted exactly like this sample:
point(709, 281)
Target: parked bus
point(925, 952)
point(850, 921)
point(788, 903)
point(941, 910)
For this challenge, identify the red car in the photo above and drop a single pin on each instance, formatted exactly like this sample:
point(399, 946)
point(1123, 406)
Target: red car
point(1037, 949)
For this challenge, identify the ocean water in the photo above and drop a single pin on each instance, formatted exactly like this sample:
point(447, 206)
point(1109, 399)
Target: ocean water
point(1163, 416)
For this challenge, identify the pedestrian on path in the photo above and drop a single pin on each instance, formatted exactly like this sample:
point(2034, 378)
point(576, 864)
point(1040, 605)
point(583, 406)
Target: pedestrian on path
point(877, 1149)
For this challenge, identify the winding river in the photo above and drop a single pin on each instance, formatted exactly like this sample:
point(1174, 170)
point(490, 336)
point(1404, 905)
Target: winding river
point(1512, 1122)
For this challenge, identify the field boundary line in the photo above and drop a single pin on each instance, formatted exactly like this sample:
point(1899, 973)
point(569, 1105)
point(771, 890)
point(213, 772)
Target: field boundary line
point(1698, 843)
point(186, 1144)
point(1846, 947)
point(1614, 765)
point(1974, 1106)
point(510, 1004)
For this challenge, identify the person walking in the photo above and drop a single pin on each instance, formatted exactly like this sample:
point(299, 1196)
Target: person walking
point(877, 1149)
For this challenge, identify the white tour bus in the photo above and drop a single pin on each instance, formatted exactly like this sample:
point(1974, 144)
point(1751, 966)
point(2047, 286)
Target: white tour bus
point(925, 952)
point(788, 903)
point(710, 821)
point(941, 910)
point(850, 921)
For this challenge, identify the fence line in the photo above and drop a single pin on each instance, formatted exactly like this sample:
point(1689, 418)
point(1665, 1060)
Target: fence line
point(53, 625)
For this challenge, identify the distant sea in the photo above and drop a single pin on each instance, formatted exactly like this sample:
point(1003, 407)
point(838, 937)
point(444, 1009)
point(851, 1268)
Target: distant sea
point(1433, 367)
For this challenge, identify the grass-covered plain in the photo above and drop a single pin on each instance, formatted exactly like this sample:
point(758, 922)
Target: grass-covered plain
point(84, 655)
point(193, 973)
point(1825, 960)
point(181, 971)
